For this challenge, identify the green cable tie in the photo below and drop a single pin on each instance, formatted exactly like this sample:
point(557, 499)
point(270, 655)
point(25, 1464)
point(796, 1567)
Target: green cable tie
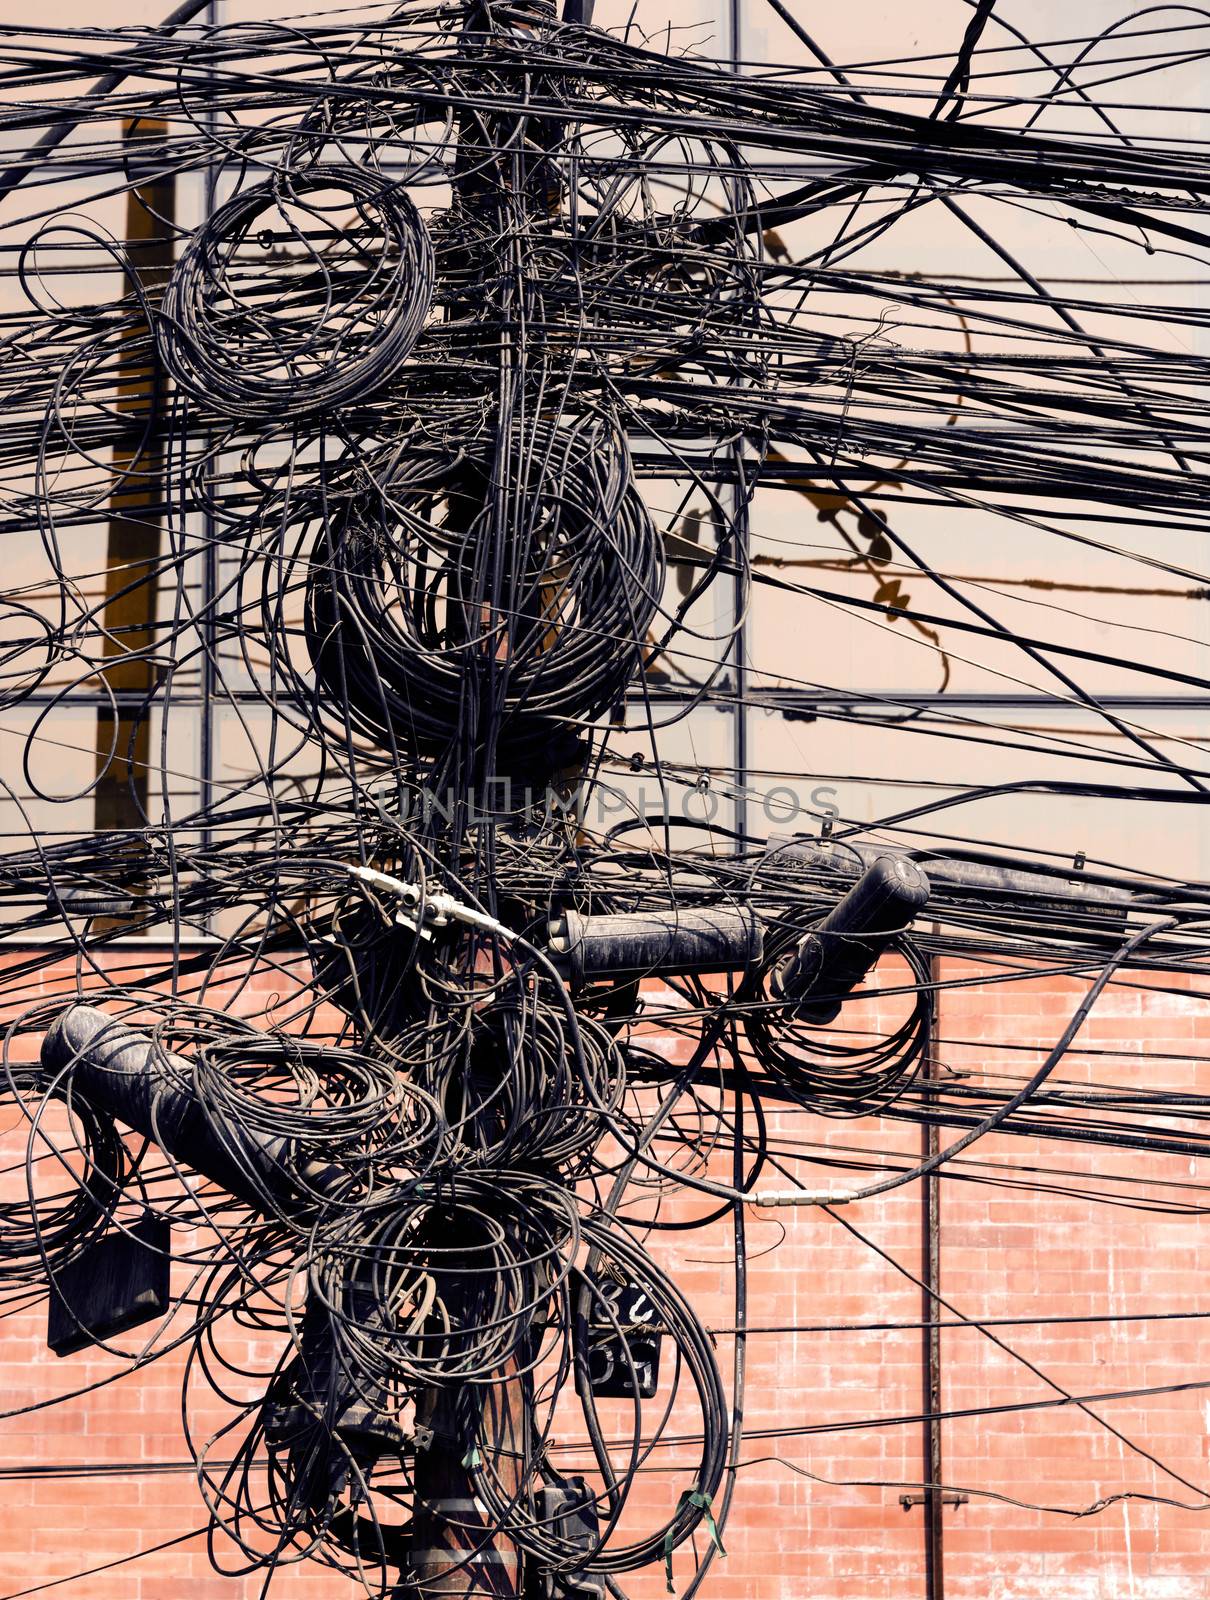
point(703, 1500)
point(472, 1459)
point(690, 1497)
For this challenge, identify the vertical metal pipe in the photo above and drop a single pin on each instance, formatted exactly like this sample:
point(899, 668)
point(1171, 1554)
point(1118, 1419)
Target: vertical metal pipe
point(739, 512)
point(934, 1530)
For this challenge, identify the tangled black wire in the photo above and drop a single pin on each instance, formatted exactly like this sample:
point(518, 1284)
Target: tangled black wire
point(429, 455)
point(280, 307)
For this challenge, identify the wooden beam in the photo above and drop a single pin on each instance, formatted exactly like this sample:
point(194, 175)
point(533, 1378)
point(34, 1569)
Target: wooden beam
point(135, 509)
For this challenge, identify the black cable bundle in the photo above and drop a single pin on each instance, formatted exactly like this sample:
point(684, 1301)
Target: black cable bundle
point(253, 338)
point(434, 453)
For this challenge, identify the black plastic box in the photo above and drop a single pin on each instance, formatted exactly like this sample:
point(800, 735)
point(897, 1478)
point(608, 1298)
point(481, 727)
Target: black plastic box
point(119, 1281)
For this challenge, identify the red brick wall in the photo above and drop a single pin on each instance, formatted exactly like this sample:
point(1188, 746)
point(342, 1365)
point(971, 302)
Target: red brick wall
point(833, 1529)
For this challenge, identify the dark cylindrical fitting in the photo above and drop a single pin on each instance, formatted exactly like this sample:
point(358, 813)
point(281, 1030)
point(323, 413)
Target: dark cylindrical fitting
point(124, 1072)
point(88, 900)
point(317, 1396)
point(838, 952)
point(991, 884)
point(652, 943)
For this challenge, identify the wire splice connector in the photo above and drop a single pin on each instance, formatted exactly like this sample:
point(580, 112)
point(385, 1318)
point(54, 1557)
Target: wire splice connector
point(801, 1197)
point(437, 907)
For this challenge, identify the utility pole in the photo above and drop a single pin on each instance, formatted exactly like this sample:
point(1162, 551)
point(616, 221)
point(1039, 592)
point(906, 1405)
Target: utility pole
point(136, 507)
point(454, 1551)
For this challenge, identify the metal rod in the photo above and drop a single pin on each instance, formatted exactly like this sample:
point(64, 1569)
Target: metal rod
point(933, 1498)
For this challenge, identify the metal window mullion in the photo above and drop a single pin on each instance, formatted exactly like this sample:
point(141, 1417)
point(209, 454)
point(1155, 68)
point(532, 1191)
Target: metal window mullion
point(739, 508)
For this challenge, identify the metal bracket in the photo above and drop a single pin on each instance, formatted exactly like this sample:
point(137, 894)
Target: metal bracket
point(948, 1498)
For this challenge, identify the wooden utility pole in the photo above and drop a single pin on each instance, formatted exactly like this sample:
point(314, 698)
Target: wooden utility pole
point(454, 1551)
point(136, 508)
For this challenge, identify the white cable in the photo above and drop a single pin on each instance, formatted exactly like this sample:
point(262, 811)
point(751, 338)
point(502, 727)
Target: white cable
point(438, 907)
